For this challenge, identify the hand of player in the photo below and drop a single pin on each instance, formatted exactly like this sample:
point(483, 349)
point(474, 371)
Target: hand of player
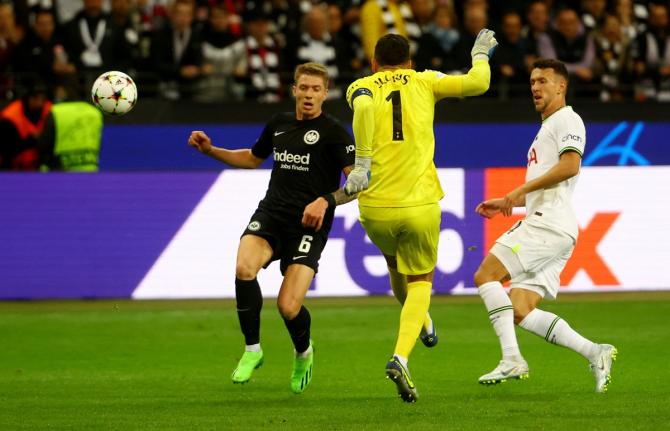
point(511, 200)
point(484, 45)
point(314, 213)
point(490, 208)
point(359, 177)
point(200, 141)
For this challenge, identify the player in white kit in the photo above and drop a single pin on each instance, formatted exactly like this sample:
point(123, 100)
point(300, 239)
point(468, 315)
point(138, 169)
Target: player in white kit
point(535, 250)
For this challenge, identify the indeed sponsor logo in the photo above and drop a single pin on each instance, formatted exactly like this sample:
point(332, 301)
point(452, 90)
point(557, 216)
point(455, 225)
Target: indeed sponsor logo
point(287, 157)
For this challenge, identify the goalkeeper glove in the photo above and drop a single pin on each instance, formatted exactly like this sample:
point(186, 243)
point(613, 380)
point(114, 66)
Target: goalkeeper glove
point(484, 45)
point(359, 177)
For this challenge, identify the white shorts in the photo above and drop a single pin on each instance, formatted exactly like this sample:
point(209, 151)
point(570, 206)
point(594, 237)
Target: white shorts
point(534, 256)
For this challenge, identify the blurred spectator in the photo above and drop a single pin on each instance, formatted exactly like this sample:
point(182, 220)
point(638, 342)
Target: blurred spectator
point(461, 6)
point(570, 44)
point(153, 14)
point(262, 80)
point(42, 54)
point(537, 16)
point(350, 58)
point(474, 19)
point(21, 122)
point(593, 13)
point(176, 51)
point(508, 67)
point(613, 60)
point(71, 138)
point(93, 44)
point(233, 10)
point(66, 10)
point(652, 57)
point(152, 17)
point(286, 16)
point(624, 11)
point(379, 17)
point(316, 45)
point(10, 36)
point(438, 40)
point(227, 58)
point(423, 10)
point(126, 19)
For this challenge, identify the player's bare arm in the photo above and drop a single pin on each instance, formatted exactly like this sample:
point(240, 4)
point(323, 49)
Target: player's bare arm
point(242, 158)
point(567, 167)
point(490, 208)
point(316, 210)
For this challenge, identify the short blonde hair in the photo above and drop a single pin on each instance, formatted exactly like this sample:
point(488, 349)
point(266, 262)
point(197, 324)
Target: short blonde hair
point(314, 69)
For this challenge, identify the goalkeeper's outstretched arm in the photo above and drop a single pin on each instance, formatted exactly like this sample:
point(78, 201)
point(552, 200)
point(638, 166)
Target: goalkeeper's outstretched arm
point(478, 78)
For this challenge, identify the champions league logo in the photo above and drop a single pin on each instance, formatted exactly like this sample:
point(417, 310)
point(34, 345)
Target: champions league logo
point(311, 137)
point(254, 226)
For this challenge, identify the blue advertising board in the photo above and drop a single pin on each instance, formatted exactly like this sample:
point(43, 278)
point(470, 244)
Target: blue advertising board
point(134, 148)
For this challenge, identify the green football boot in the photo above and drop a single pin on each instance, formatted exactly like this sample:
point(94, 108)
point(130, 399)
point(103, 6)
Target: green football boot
point(302, 371)
point(248, 363)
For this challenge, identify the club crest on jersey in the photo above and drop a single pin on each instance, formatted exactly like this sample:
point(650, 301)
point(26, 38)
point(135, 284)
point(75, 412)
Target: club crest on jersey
point(254, 226)
point(311, 137)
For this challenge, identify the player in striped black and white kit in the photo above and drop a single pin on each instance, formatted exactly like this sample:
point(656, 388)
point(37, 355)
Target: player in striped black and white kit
point(535, 250)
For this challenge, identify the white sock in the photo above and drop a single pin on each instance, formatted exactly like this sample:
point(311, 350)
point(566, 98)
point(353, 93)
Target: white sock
point(557, 331)
point(429, 328)
point(253, 348)
point(402, 359)
point(306, 353)
point(501, 315)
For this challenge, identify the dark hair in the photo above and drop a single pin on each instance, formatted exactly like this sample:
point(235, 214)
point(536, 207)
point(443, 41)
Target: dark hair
point(392, 50)
point(551, 63)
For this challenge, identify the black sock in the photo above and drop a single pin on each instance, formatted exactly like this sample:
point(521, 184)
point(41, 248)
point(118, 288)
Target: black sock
point(249, 305)
point(298, 327)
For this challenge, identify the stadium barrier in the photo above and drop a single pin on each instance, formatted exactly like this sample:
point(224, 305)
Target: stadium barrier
point(175, 235)
point(464, 145)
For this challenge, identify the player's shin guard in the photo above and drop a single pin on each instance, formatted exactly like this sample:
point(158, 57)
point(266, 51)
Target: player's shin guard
point(299, 329)
point(557, 331)
point(501, 315)
point(249, 305)
point(399, 287)
point(412, 316)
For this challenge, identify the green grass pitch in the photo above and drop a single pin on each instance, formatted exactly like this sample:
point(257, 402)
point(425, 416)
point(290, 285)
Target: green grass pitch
point(163, 365)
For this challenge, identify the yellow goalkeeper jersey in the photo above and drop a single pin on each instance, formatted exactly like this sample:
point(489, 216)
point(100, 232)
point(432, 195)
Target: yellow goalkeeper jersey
point(402, 143)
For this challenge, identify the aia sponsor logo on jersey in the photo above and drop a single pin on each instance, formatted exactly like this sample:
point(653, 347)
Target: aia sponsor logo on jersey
point(532, 156)
point(311, 137)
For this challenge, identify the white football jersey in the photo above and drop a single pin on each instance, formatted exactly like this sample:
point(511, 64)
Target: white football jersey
point(562, 131)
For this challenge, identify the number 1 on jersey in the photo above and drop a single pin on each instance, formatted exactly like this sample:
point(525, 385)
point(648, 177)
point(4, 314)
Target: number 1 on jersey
point(394, 97)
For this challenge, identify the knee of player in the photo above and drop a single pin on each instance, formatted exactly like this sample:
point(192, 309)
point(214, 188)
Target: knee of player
point(521, 310)
point(481, 277)
point(245, 271)
point(288, 308)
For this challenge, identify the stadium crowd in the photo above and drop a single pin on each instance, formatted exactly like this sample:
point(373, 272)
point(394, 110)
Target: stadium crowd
point(218, 50)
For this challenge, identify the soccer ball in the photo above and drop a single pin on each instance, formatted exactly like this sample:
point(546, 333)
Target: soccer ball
point(115, 93)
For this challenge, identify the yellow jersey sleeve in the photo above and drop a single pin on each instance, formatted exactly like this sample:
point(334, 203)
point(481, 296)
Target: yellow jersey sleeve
point(474, 83)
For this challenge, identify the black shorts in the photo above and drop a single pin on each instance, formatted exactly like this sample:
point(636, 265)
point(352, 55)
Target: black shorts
point(291, 243)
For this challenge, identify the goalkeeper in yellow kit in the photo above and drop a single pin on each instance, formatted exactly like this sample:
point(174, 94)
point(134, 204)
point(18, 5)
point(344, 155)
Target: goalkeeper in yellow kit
point(396, 178)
